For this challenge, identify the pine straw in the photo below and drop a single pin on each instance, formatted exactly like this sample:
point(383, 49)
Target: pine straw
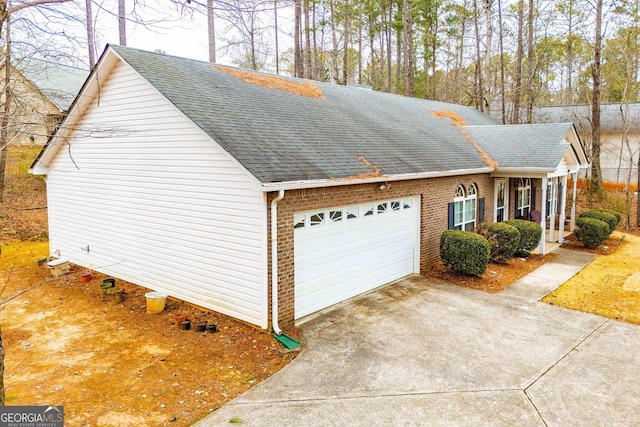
point(307, 89)
point(456, 119)
point(460, 122)
point(497, 277)
point(375, 170)
point(600, 287)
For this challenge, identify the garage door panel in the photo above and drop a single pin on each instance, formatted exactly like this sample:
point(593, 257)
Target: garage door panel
point(336, 261)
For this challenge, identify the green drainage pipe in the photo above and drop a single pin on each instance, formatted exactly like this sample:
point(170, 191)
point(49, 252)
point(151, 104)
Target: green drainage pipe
point(287, 341)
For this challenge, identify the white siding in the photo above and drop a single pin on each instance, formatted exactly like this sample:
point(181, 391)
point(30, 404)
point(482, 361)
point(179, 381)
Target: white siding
point(159, 203)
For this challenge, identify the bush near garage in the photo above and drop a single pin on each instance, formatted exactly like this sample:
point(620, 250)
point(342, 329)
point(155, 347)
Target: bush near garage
point(504, 240)
point(591, 232)
point(530, 234)
point(464, 252)
point(611, 212)
point(608, 218)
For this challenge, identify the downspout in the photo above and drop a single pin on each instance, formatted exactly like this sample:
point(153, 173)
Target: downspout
point(274, 262)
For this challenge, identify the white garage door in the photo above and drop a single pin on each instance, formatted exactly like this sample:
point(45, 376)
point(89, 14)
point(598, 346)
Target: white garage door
point(344, 251)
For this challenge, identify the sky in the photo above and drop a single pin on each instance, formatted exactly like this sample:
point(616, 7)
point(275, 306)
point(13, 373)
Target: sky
point(170, 28)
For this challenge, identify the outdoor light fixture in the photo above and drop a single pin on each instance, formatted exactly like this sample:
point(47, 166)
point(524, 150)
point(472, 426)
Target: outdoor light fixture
point(385, 186)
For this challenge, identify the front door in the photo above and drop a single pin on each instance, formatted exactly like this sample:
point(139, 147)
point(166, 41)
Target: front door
point(501, 200)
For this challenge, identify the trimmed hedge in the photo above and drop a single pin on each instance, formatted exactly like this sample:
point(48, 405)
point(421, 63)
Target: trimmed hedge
point(602, 216)
point(530, 235)
point(611, 212)
point(503, 239)
point(464, 252)
point(591, 232)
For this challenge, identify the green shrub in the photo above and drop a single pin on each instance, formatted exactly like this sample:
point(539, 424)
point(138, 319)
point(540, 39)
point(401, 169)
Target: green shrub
point(503, 239)
point(464, 252)
point(611, 212)
point(530, 234)
point(591, 232)
point(609, 219)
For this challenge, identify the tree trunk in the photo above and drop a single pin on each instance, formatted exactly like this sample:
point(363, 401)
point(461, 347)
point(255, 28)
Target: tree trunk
point(4, 130)
point(503, 99)
point(389, 53)
point(596, 171)
point(211, 27)
point(307, 42)
point(297, 54)
point(517, 90)
point(360, 23)
point(478, 94)
point(487, 56)
point(407, 30)
point(334, 38)
point(275, 34)
point(345, 53)
point(90, 34)
point(122, 23)
point(530, 76)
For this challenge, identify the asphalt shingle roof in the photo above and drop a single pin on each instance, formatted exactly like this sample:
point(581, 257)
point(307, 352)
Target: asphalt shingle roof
point(59, 83)
point(525, 145)
point(610, 115)
point(280, 136)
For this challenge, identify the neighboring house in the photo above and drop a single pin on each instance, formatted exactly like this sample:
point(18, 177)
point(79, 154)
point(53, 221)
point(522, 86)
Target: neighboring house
point(224, 187)
point(41, 93)
point(619, 135)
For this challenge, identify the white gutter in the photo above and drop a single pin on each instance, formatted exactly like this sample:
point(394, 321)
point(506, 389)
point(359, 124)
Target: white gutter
point(274, 262)
point(295, 185)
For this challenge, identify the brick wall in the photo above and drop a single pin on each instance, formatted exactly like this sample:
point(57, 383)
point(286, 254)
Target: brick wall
point(435, 194)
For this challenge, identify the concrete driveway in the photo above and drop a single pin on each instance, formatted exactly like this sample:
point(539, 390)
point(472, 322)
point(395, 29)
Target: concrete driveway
point(419, 353)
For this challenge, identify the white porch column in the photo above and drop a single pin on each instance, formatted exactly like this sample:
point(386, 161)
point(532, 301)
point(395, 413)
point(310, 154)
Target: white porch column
point(572, 224)
point(543, 215)
point(563, 206)
point(552, 208)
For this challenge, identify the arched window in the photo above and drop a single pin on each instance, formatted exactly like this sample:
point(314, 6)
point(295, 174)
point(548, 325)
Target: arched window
point(523, 198)
point(465, 208)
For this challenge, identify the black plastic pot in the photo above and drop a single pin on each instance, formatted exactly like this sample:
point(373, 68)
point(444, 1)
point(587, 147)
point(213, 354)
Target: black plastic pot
point(212, 327)
point(185, 325)
point(201, 326)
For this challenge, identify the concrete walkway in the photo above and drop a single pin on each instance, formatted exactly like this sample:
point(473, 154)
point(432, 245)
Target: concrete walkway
point(418, 353)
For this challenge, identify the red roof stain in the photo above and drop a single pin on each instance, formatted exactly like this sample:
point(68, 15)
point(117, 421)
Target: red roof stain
point(307, 89)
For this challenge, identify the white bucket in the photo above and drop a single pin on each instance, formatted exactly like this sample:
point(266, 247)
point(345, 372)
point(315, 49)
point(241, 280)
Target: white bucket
point(155, 301)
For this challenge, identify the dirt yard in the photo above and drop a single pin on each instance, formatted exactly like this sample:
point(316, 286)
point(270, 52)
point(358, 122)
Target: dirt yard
point(109, 364)
point(112, 364)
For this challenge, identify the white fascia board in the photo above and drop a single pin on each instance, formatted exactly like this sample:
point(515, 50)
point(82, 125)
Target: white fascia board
point(522, 172)
point(298, 185)
point(85, 97)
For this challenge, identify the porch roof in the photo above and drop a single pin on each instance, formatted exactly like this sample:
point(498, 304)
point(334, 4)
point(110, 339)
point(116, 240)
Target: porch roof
point(538, 148)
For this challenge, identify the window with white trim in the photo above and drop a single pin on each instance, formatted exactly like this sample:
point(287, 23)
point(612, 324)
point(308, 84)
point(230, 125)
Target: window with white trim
point(465, 201)
point(523, 198)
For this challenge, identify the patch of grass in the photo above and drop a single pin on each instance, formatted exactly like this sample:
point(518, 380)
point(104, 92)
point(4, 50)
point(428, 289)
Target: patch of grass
point(600, 287)
point(236, 420)
point(10, 398)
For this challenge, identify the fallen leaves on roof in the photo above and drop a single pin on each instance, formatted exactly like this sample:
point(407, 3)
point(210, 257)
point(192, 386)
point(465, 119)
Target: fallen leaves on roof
point(456, 119)
point(307, 89)
point(483, 154)
point(460, 122)
point(375, 170)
